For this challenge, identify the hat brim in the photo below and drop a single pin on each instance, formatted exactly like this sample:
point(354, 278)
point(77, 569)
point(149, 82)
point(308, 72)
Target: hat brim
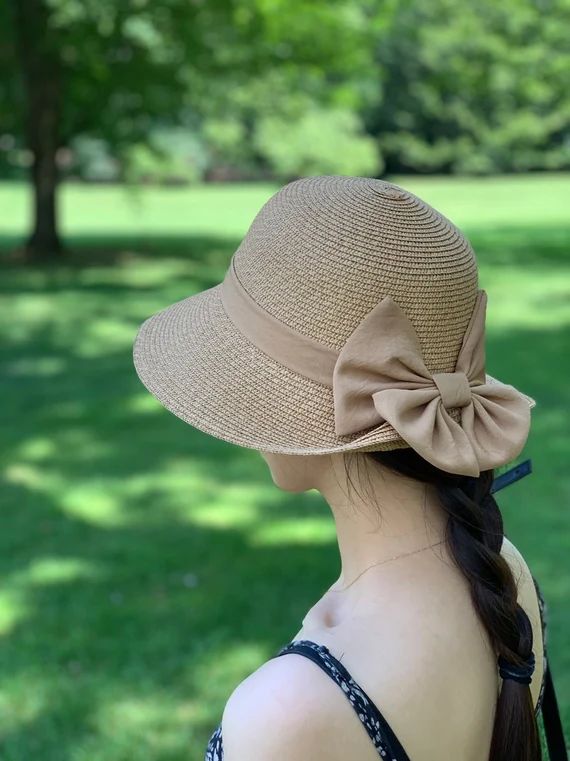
point(195, 362)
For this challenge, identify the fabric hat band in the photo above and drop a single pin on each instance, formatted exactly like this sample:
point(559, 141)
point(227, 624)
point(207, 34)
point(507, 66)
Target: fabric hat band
point(380, 376)
point(300, 353)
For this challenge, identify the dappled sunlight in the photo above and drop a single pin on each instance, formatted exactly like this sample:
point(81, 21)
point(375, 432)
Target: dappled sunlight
point(35, 449)
point(233, 507)
point(231, 662)
point(95, 503)
point(103, 335)
point(154, 275)
point(44, 571)
point(25, 704)
point(309, 531)
point(14, 610)
point(23, 474)
point(143, 404)
point(36, 367)
point(155, 719)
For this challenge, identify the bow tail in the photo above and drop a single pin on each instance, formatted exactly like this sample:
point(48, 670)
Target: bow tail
point(421, 419)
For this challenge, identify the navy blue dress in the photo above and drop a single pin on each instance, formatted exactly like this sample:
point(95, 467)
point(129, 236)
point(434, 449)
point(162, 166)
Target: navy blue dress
point(383, 738)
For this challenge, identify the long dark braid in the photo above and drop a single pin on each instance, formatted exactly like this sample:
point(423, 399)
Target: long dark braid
point(474, 534)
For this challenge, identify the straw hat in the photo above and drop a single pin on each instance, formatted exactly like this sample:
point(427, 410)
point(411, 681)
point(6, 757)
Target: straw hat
point(349, 318)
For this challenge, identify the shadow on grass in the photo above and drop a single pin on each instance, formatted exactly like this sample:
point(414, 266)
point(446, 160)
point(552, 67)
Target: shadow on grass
point(527, 248)
point(158, 604)
point(125, 596)
point(517, 246)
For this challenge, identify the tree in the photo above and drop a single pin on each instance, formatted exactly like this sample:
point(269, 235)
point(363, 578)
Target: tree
point(93, 66)
point(475, 88)
point(42, 79)
point(116, 69)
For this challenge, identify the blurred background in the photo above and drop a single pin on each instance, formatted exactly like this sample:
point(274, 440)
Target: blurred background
point(146, 567)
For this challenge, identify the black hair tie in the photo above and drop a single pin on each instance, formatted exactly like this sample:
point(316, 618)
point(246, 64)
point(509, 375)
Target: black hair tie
point(520, 674)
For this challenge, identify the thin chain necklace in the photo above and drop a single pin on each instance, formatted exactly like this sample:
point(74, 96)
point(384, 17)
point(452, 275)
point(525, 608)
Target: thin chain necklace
point(405, 554)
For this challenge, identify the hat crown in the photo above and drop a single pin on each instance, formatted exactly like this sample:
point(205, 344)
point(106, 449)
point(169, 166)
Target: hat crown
point(323, 251)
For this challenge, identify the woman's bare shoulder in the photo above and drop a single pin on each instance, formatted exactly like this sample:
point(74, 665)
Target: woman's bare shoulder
point(523, 577)
point(528, 600)
point(286, 711)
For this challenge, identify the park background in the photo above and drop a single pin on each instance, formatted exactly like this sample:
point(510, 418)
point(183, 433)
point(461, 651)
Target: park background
point(146, 567)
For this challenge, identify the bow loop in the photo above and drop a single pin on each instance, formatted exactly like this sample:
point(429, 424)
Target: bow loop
point(380, 377)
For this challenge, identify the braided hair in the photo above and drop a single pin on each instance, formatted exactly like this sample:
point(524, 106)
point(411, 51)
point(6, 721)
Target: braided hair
point(474, 534)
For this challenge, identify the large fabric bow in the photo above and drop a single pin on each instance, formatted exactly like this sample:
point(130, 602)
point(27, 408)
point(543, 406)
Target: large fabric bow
point(380, 375)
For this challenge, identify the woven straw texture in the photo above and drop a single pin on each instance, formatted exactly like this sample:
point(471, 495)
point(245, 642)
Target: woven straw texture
point(320, 254)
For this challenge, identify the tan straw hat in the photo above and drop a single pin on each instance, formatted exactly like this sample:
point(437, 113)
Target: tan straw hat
point(349, 318)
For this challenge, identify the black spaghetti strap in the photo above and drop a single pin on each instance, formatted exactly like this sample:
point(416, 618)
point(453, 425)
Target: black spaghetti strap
point(553, 730)
point(379, 731)
point(557, 750)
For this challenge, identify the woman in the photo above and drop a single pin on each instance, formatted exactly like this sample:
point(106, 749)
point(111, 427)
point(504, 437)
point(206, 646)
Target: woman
point(346, 345)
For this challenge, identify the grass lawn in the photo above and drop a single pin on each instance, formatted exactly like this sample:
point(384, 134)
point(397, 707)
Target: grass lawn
point(148, 568)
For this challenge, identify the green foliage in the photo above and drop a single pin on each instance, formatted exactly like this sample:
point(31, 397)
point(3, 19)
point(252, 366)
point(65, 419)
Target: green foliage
point(440, 86)
point(321, 141)
point(171, 155)
point(130, 67)
point(92, 160)
point(475, 88)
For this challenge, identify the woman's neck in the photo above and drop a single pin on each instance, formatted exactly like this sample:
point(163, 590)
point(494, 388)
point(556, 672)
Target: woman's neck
point(408, 516)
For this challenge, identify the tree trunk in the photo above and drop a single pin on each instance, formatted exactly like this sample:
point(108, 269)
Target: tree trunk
point(41, 75)
point(44, 241)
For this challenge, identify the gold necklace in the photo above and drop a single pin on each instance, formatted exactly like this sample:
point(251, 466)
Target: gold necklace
point(405, 554)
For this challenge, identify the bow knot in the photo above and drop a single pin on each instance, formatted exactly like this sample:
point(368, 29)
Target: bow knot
point(454, 389)
point(380, 377)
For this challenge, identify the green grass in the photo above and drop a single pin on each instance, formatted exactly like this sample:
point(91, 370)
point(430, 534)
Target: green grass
point(148, 568)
